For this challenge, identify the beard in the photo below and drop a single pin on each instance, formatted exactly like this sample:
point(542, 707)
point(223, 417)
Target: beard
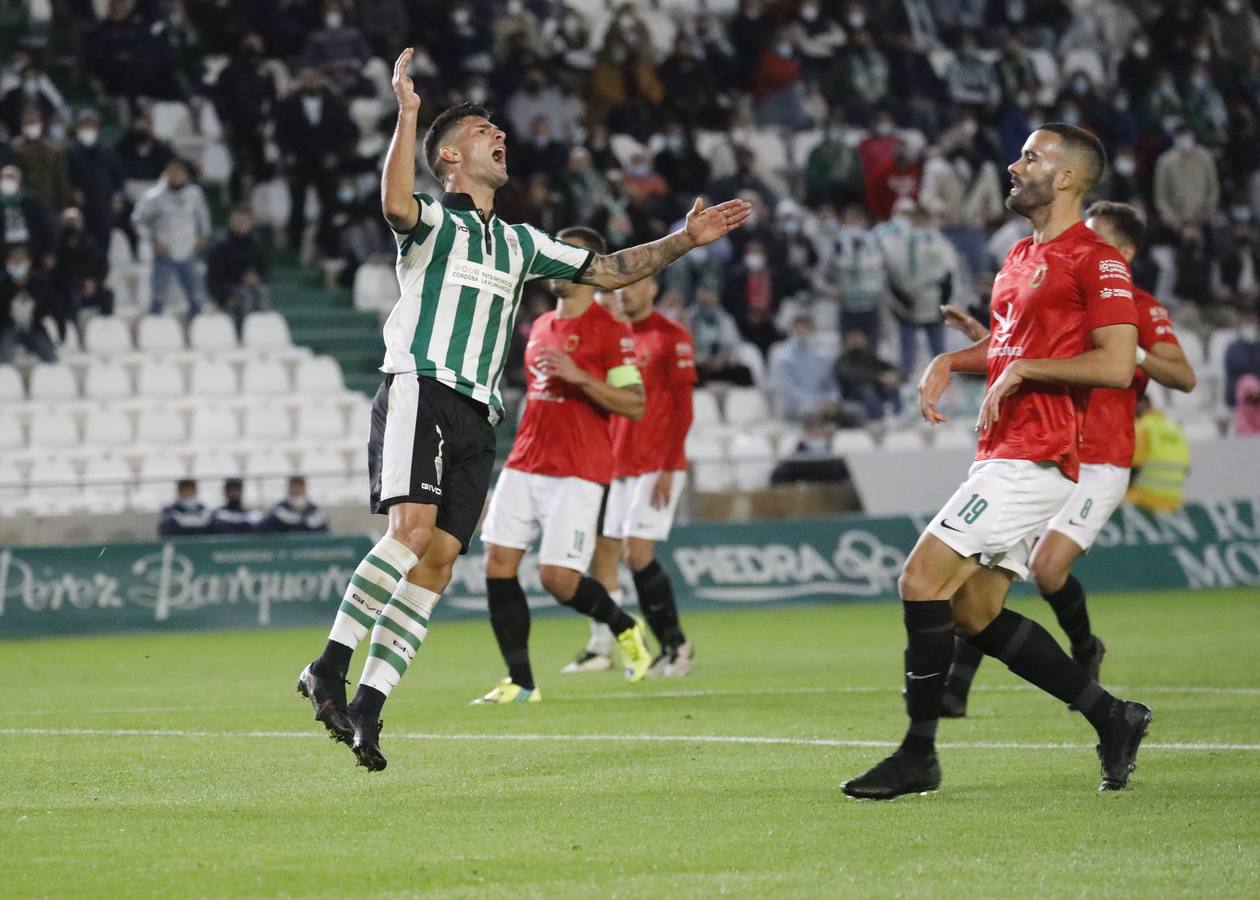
point(1031, 196)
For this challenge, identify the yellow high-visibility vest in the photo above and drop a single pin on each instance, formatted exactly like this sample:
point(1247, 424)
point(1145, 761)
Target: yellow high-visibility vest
point(1162, 458)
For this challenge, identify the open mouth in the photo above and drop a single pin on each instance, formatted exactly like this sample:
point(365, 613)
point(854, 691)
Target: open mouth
point(499, 155)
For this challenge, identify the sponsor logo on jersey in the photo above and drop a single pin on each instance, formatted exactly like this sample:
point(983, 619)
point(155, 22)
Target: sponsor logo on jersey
point(483, 278)
point(1038, 276)
point(1108, 293)
point(1006, 323)
point(1113, 268)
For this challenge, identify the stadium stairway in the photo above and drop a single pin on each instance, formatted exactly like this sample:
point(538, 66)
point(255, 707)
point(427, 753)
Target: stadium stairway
point(325, 320)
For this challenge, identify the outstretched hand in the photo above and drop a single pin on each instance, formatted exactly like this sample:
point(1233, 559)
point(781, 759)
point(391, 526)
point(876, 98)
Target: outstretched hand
point(931, 386)
point(704, 226)
point(1007, 383)
point(404, 89)
point(960, 320)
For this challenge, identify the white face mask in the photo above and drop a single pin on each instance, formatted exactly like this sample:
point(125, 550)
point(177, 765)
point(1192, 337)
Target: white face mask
point(1125, 165)
point(8, 187)
point(755, 262)
point(87, 136)
point(1184, 141)
point(33, 131)
point(1249, 332)
point(333, 20)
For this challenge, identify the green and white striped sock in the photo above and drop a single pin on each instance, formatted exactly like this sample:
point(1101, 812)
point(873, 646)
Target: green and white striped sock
point(371, 586)
point(399, 631)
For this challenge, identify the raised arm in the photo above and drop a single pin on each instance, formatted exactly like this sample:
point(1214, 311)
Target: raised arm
point(703, 226)
point(398, 178)
point(972, 360)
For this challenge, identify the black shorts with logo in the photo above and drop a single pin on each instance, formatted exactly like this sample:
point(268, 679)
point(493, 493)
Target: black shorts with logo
point(431, 444)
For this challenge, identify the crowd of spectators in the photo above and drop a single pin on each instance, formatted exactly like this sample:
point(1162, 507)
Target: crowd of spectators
point(871, 135)
point(189, 516)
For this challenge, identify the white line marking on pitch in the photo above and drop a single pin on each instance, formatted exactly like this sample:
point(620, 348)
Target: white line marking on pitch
point(852, 689)
point(642, 738)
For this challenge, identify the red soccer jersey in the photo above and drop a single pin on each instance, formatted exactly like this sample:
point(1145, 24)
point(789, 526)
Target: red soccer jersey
point(1046, 300)
point(562, 432)
point(1107, 435)
point(667, 362)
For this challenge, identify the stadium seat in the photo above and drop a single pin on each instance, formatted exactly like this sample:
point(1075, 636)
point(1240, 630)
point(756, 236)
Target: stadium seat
point(106, 336)
point(157, 378)
point(12, 435)
point(745, 406)
point(753, 458)
point(750, 356)
point(709, 468)
point(267, 424)
point(266, 474)
point(160, 425)
point(848, 440)
point(53, 381)
point(319, 375)
point(52, 485)
point(212, 333)
point(107, 427)
point(1201, 430)
point(785, 444)
point(12, 484)
point(327, 478)
point(906, 439)
point(320, 421)
point(264, 377)
point(213, 378)
point(213, 425)
point(157, 476)
point(375, 287)
point(954, 438)
point(216, 465)
point(11, 389)
point(1218, 343)
point(705, 408)
point(1192, 345)
point(106, 485)
point(265, 331)
point(107, 380)
point(159, 334)
point(53, 429)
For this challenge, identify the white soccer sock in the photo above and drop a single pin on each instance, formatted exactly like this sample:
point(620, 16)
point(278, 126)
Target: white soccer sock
point(371, 586)
point(601, 640)
point(399, 631)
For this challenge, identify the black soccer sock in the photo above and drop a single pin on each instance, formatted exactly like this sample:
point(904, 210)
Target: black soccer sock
point(962, 670)
point(656, 599)
point(929, 648)
point(591, 599)
point(1068, 603)
point(335, 660)
point(368, 702)
point(509, 617)
point(1031, 653)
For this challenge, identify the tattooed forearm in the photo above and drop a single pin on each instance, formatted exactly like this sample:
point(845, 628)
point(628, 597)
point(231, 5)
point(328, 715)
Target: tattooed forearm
point(627, 266)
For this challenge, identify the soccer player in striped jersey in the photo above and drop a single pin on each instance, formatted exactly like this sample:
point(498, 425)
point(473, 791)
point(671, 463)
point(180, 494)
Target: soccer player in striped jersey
point(580, 370)
point(431, 446)
point(1107, 439)
point(649, 475)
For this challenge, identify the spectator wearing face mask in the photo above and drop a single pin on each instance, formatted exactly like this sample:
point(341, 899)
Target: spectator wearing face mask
point(540, 151)
point(682, 167)
point(244, 95)
point(853, 271)
point(819, 37)
point(98, 177)
point(898, 178)
point(1186, 187)
point(187, 515)
point(174, 217)
point(803, 378)
point(751, 294)
point(142, 155)
point(833, 171)
point(717, 340)
point(860, 76)
point(34, 90)
point(43, 164)
point(922, 267)
point(338, 48)
point(236, 267)
point(812, 460)
point(79, 276)
point(517, 33)
point(296, 513)
point(777, 85)
point(1242, 356)
point(232, 517)
point(1137, 67)
point(1204, 106)
point(25, 299)
point(867, 380)
point(25, 220)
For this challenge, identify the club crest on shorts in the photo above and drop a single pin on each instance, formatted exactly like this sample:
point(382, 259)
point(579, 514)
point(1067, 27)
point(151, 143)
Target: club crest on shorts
point(571, 343)
point(1038, 276)
point(437, 460)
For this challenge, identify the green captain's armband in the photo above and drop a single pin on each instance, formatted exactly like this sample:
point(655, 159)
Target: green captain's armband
point(624, 376)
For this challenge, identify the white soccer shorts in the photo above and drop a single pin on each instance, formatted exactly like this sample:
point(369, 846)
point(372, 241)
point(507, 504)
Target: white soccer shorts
point(563, 511)
point(630, 513)
point(1097, 494)
point(999, 511)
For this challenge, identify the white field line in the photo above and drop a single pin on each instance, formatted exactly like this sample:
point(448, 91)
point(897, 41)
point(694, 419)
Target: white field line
point(613, 738)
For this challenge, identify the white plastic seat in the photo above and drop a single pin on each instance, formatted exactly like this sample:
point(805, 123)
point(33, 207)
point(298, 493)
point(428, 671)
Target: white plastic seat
point(215, 465)
point(1218, 343)
point(954, 438)
point(160, 425)
point(214, 425)
point(11, 389)
point(787, 442)
point(1192, 346)
point(265, 331)
point(53, 381)
point(744, 406)
point(159, 334)
point(750, 356)
point(106, 481)
point(707, 454)
point(212, 333)
point(1201, 430)
point(909, 439)
point(848, 440)
point(157, 378)
point(107, 380)
point(106, 336)
point(318, 375)
point(704, 408)
point(267, 423)
point(320, 422)
point(12, 436)
point(264, 377)
point(212, 378)
point(753, 458)
point(12, 485)
point(107, 427)
point(53, 429)
point(375, 287)
point(327, 478)
point(157, 476)
point(266, 472)
point(52, 484)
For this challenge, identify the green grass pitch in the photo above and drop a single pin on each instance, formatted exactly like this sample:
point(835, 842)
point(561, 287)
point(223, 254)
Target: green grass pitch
point(185, 766)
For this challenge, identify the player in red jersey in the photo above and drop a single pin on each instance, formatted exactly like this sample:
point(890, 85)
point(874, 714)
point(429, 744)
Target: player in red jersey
point(1063, 321)
point(1107, 440)
point(649, 475)
point(580, 368)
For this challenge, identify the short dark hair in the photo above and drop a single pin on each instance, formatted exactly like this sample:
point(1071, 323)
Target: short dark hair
point(589, 237)
point(1125, 218)
point(1085, 143)
point(446, 120)
point(185, 483)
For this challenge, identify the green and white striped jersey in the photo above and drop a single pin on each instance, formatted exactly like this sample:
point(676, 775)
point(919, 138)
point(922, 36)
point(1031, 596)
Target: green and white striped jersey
point(460, 280)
